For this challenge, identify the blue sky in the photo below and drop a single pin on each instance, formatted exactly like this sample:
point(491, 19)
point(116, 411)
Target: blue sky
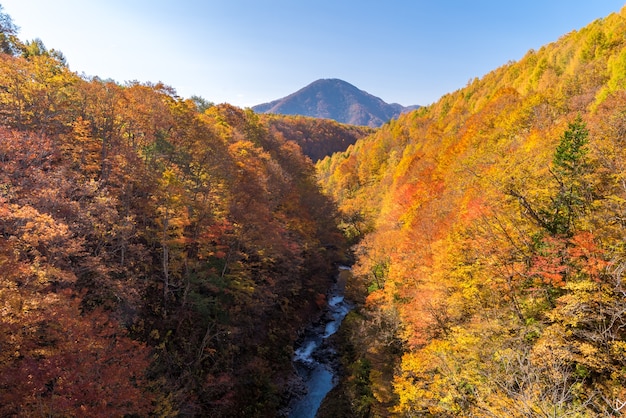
point(247, 52)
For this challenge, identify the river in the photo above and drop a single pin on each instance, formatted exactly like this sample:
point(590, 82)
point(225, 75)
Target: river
point(313, 357)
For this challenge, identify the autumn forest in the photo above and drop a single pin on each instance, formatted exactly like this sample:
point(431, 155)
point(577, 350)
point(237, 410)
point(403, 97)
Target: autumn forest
point(159, 256)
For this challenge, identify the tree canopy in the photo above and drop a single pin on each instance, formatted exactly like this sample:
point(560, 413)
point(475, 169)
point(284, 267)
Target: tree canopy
point(489, 242)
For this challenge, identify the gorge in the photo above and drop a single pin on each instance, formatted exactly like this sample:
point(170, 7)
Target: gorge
point(314, 359)
point(164, 256)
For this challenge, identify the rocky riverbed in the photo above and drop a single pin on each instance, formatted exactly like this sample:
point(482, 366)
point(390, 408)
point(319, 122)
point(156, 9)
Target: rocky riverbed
point(315, 359)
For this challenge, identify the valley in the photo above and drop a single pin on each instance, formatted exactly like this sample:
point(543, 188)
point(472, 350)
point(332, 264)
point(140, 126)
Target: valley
point(169, 256)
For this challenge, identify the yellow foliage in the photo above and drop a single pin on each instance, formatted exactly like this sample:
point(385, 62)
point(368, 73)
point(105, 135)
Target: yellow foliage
point(461, 195)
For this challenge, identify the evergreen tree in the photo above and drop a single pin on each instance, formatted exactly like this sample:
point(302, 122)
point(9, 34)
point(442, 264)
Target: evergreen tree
point(569, 168)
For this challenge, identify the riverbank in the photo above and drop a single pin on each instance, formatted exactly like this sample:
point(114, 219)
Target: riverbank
point(315, 357)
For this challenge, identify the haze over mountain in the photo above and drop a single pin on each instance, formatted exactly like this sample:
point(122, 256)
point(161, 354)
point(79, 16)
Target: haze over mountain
point(338, 100)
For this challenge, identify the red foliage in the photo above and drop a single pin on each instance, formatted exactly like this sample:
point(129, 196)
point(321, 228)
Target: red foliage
point(74, 365)
point(550, 264)
point(320, 300)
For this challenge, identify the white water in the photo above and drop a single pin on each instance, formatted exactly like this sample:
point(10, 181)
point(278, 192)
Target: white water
point(338, 310)
point(315, 371)
point(303, 354)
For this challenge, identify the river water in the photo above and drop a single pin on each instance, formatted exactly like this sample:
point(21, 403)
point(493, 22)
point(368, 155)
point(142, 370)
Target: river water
point(313, 357)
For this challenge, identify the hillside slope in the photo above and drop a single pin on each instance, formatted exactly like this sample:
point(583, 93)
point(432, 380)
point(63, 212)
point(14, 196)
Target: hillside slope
point(318, 138)
point(338, 100)
point(491, 228)
point(155, 259)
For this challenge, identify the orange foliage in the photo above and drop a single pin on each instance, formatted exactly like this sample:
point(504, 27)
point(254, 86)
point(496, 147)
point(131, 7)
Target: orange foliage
point(481, 243)
point(153, 257)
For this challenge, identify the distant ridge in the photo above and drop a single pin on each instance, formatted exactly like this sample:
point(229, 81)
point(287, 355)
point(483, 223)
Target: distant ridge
point(338, 100)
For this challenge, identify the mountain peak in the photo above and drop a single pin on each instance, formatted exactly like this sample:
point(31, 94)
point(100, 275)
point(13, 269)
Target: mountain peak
point(332, 98)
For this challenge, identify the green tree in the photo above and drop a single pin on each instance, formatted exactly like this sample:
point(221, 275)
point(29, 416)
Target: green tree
point(201, 103)
point(572, 194)
point(36, 48)
point(9, 44)
point(570, 165)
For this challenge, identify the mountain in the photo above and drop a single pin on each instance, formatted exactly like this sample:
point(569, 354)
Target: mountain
point(338, 100)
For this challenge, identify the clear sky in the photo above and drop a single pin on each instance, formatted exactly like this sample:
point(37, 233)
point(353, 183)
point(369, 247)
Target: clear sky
point(248, 52)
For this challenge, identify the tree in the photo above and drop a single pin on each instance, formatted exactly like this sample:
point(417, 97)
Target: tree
point(9, 44)
point(68, 364)
point(173, 218)
point(201, 103)
point(569, 168)
point(36, 48)
point(572, 194)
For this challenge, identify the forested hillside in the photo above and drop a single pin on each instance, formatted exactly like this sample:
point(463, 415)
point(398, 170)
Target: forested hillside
point(156, 257)
point(318, 138)
point(490, 230)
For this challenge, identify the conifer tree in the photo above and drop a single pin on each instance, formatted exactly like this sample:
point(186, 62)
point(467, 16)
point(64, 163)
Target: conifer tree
point(569, 168)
